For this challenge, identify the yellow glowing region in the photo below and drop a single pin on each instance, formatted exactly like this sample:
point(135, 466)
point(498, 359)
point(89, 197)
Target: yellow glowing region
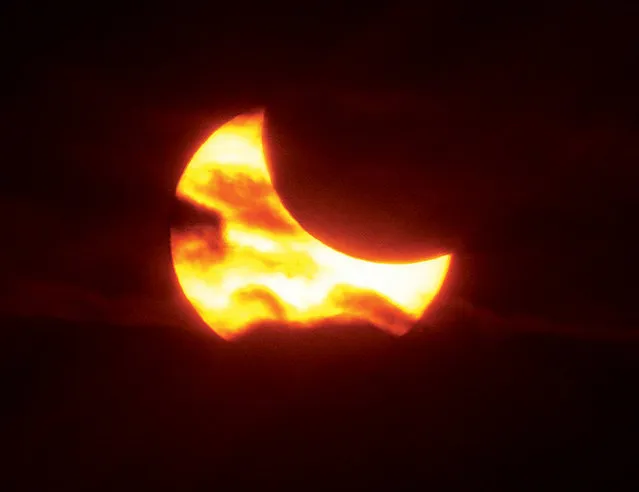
point(263, 266)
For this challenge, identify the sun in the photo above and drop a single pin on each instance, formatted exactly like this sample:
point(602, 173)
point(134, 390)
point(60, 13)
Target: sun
point(261, 265)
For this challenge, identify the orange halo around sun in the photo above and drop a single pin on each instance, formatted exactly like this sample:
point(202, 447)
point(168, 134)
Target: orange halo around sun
point(261, 265)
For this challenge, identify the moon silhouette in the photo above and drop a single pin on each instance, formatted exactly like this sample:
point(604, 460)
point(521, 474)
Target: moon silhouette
point(260, 265)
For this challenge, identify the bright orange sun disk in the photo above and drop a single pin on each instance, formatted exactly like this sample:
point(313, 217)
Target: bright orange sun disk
point(263, 266)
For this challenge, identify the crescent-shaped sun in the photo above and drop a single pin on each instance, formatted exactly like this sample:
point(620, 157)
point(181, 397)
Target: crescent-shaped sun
point(260, 265)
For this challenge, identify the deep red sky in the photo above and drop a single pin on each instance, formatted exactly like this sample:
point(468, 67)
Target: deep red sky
point(534, 104)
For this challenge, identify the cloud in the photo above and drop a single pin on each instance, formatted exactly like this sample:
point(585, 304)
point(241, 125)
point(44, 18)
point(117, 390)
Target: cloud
point(119, 271)
point(32, 298)
point(459, 314)
point(36, 298)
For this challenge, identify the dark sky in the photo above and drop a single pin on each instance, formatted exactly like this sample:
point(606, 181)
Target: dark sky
point(506, 132)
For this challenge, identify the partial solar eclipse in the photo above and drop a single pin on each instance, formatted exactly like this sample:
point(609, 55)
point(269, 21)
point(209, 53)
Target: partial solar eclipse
point(261, 265)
